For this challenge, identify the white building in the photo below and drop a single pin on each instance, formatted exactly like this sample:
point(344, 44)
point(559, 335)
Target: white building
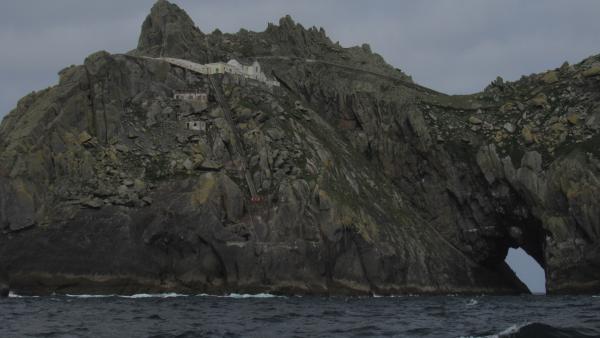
point(197, 96)
point(196, 125)
point(234, 67)
point(252, 71)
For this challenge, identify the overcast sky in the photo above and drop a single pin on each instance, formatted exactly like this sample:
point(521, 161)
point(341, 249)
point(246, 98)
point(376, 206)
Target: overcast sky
point(454, 46)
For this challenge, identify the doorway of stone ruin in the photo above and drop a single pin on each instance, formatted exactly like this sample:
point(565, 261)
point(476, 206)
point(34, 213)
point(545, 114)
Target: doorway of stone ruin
point(527, 269)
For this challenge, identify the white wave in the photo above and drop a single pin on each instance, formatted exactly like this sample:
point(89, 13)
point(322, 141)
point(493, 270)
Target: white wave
point(14, 295)
point(155, 295)
point(242, 295)
point(391, 296)
point(508, 331)
point(511, 330)
point(135, 296)
point(174, 295)
point(472, 302)
point(88, 296)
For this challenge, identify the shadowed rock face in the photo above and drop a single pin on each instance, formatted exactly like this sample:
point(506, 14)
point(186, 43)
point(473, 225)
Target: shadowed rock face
point(4, 290)
point(367, 182)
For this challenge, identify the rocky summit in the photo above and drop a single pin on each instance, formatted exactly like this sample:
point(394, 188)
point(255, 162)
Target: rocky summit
point(139, 173)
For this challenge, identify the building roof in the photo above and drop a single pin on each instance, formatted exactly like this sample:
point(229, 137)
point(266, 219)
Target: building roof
point(234, 62)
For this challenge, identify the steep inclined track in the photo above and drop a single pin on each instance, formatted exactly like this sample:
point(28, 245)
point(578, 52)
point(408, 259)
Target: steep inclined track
point(238, 146)
point(215, 84)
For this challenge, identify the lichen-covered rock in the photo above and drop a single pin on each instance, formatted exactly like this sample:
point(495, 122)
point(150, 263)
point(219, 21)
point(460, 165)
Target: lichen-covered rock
point(592, 71)
point(550, 77)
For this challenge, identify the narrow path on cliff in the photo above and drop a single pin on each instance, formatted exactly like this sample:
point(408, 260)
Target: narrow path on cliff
point(527, 269)
point(237, 144)
point(354, 69)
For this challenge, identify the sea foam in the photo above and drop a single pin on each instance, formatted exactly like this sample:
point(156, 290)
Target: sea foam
point(157, 295)
point(14, 295)
point(243, 295)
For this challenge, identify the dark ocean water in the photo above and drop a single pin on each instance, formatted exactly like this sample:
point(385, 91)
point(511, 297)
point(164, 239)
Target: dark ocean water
point(268, 316)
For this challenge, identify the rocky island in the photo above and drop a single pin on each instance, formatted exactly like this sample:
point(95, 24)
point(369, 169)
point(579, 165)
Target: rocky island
point(301, 168)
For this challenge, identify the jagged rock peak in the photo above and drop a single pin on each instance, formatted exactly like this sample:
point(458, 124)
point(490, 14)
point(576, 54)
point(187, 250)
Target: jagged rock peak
point(287, 21)
point(163, 8)
point(169, 30)
point(287, 26)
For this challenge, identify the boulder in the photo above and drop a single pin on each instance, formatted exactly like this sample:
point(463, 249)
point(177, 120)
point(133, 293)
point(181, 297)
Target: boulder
point(139, 185)
point(475, 120)
point(275, 133)
point(122, 191)
point(540, 101)
point(592, 71)
point(527, 135)
point(509, 127)
point(188, 164)
point(216, 113)
point(593, 119)
point(84, 137)
point(261, 117)
point(93, 203)
point(573, 118)
point(122, 148)
point(550, 77)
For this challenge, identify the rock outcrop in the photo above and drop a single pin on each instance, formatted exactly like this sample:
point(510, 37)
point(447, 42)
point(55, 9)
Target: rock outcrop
point(4, 292)
point(365, 182)
point(4, 287)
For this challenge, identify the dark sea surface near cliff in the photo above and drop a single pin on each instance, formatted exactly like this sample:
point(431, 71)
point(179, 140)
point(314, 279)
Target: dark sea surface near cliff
point(173, 315)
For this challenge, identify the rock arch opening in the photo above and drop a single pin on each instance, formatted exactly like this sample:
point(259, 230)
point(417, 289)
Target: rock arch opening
point(525, 245)
point(527, 269)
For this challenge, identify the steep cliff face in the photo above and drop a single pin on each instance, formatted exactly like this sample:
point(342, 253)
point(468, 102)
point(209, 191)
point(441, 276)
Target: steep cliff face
point(366, 182)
